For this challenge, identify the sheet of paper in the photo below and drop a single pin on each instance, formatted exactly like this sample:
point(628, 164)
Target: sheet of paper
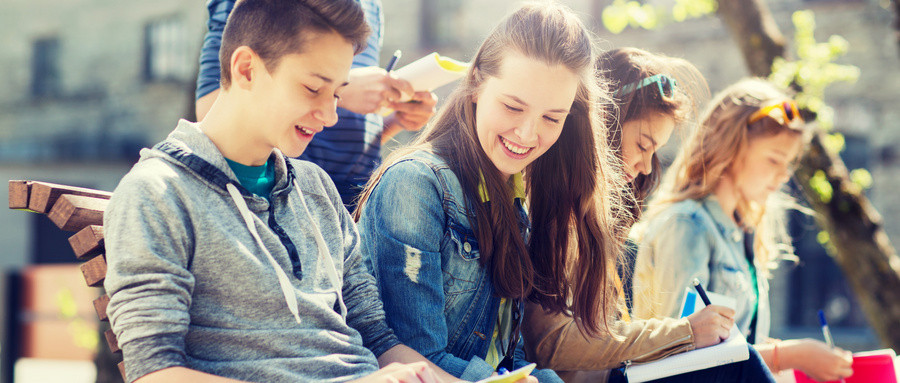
point(432, 71)
point(511, 376)
point(692, 302)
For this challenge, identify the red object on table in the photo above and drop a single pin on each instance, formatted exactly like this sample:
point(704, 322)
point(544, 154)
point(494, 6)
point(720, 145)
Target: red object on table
point(868, 367)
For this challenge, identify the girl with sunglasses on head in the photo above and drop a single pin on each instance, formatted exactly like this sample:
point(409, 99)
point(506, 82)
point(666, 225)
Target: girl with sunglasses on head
point(489, 205)
point(719, 217)
point(649, 103)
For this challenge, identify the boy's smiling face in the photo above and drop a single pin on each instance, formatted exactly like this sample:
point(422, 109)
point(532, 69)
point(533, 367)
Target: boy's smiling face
point(298, 98)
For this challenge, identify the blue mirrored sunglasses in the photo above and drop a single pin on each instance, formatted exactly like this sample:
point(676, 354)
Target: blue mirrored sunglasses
point(665, 84)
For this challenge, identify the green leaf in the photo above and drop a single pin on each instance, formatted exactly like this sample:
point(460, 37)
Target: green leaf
point(615, 18)
point(820, 184)
point(823, 237)
point(862, 178)
point(834, 143)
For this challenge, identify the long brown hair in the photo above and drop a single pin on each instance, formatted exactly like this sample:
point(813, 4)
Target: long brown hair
point(718, 144)
point(628, 65)
point(565, 264)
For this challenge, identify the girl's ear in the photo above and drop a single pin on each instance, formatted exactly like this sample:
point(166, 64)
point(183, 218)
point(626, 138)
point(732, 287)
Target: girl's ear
point(473, 97)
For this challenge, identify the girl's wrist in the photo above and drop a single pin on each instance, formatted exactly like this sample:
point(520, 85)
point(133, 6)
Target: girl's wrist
point(776, 366)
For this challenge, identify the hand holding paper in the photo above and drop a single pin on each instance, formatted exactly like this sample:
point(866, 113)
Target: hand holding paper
point(510, 377)
point(431, 72)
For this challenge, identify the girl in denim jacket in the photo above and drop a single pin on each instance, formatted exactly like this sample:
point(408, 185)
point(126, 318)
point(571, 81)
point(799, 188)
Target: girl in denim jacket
point(444, 223)
point(719, 218)
point(649, 104)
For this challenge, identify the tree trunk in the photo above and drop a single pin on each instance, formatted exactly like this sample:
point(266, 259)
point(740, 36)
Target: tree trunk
point(862, 248)
point(896, 20)
point(755, 32)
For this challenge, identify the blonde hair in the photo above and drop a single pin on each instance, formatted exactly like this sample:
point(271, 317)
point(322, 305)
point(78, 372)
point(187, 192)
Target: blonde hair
point(721, 141)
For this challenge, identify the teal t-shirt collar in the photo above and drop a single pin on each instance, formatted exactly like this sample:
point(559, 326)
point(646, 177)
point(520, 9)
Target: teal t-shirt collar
point(259, 180)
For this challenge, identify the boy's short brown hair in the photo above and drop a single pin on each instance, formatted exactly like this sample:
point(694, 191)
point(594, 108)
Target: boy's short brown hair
point(275, 28)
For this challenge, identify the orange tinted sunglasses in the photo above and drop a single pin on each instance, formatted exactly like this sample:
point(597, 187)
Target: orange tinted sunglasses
point(789, 108)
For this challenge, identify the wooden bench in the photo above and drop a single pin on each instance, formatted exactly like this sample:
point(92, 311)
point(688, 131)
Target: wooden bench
point(78, 210)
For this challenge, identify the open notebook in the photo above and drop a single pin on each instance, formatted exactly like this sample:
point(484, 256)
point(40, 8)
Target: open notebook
point(733, 349)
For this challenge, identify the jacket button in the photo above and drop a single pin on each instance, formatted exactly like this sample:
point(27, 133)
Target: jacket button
point(467, 247)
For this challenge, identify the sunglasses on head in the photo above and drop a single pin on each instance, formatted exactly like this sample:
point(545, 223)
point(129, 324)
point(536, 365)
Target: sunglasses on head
point(789, 108)
point(665, 84)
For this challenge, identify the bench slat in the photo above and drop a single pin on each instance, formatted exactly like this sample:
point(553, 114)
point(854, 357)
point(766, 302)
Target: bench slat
point(19, 192)
point(112, 341)
point(122, 370)
point(73, 212)
point(44, 195)
point(100, 307)
point(88, 242)
point(94, 271)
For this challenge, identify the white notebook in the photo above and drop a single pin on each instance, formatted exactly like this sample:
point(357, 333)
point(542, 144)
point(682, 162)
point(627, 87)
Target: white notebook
point(733, 349)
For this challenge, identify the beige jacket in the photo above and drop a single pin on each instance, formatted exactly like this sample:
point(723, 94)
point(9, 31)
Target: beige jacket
point(555, 342)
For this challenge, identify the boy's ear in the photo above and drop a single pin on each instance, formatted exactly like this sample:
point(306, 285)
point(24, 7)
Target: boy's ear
point(242, 64)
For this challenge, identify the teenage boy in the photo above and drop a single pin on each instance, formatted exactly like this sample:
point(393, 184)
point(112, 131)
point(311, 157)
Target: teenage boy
point(351, 150)
point(229, 261)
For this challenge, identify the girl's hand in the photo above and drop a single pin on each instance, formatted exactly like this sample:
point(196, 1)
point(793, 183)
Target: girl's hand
point(816, 359)
point(711, 325)
point(417, 372)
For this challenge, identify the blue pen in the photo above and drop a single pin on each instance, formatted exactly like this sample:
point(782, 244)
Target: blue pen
point(390, 65)
point(701, 292)
point(825, 330)
point(502, 371)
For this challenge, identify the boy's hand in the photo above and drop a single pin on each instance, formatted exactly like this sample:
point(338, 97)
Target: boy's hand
point(816, 359)
point(371, 88)
point(711, 325)
point(413, 115)
point(401, 373)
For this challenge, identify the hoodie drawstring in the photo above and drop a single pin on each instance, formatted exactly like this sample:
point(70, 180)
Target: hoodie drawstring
point(320, 244)
point(283, 280)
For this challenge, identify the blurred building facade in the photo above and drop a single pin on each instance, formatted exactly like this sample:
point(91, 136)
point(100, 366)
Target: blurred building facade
point(87, 83)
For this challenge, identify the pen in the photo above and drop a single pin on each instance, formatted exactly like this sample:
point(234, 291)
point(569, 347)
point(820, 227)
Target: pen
point(390, 65)
point(502, 371)
point(825, 331)
point(700, 292)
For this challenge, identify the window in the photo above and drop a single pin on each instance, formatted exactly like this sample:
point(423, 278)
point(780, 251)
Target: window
point(45, 77)
point(165, 51)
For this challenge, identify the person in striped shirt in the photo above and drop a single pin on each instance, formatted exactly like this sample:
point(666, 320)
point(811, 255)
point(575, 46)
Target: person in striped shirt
point(351, 149)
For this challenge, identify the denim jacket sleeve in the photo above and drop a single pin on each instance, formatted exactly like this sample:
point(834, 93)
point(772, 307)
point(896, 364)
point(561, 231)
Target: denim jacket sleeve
point(208, 76)
point(543, 375)
point(669, 258)
point(402, 227)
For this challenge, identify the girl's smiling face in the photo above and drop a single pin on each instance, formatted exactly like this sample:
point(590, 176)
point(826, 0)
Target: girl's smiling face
point(520, 113)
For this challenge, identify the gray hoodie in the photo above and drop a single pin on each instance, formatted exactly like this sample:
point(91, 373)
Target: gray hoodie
point(205, 275)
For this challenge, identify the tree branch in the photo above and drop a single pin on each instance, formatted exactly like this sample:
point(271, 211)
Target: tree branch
point(754, 30)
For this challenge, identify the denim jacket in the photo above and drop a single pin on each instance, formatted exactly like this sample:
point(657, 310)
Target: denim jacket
point(695, 239)
point(419, 245)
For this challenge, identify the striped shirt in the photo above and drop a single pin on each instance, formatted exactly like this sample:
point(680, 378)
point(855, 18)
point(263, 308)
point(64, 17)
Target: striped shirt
point(348, 151)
